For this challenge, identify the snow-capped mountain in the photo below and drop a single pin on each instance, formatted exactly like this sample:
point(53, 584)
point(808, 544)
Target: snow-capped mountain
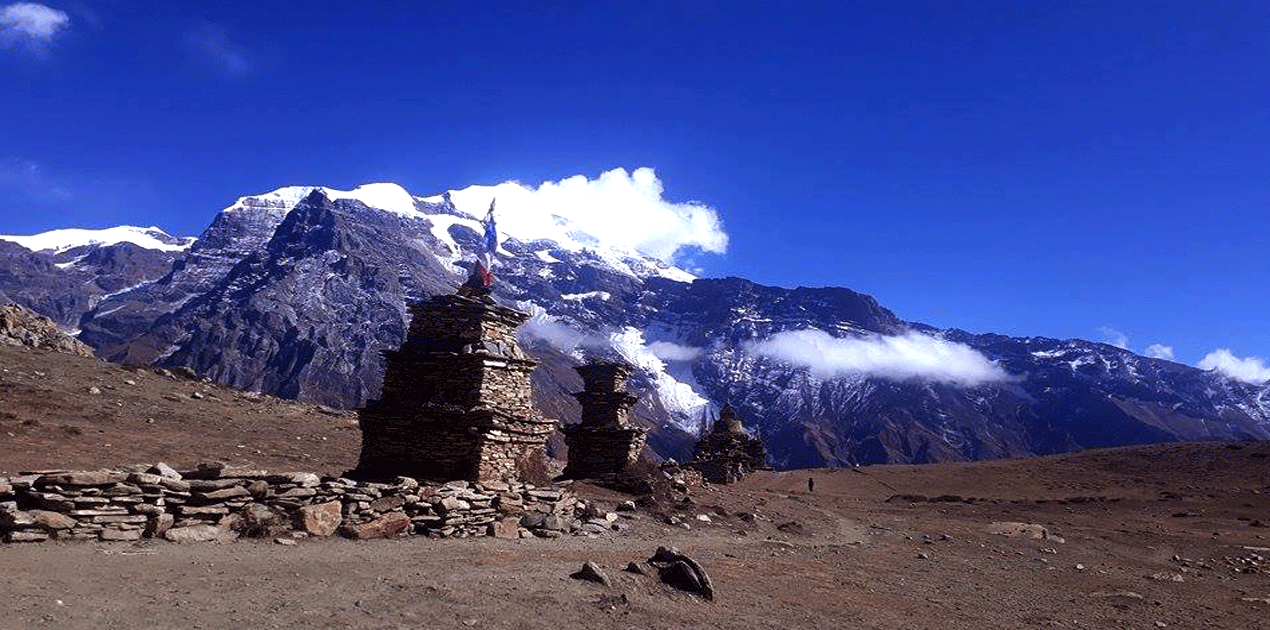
point(296, 291)
point(64, 273)
point(59, 241)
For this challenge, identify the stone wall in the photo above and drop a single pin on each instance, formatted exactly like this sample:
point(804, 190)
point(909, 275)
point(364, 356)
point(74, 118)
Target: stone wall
point(215, 502)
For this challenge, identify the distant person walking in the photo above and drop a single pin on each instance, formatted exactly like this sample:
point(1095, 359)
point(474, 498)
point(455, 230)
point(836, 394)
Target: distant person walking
point(811, 484)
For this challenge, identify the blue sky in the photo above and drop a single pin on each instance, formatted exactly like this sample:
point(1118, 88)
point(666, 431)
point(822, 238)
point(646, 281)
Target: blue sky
point(1065, 169)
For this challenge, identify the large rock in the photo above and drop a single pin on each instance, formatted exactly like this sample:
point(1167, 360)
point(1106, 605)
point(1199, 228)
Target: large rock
point(22, 327)
point(52, 520)
point(163, 470)
point(159, 525)
point(148, 479)
point(388, 503)
point(506, 527)
point(451, 504)
point(225, 494)
point(83, 478)
point(298, 478)
point(199, 533)
point(260, 521)
point(25, 536)
point(322, 519)
point(15, 519)
point(591, 572)
point(558, 523)
point(1022, 530)
point(386, 526)
point(677, 570)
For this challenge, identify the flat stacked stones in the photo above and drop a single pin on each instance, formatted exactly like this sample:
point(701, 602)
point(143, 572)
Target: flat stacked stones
point(218, 503)
point(603, 444)
point(456, 402)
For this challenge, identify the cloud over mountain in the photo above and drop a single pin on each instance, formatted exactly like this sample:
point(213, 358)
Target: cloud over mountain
point(1249, 370)
point(618, 209)
point(1114, 337)
point(902, 357)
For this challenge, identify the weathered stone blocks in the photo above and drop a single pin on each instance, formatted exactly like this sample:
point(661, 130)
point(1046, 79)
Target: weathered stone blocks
point(456, 400)
point(727, 453)
point(356, 509)
point(603, 443)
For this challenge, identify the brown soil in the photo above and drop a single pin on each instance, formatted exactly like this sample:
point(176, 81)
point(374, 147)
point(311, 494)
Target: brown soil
point(1134, 520)
point(49, 419)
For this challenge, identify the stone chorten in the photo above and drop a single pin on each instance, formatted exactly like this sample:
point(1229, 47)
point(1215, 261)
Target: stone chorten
point(727, 453)
point(456, 402)
point(603, 443)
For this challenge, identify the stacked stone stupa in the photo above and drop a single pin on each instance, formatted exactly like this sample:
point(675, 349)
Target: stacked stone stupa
point(727, 453)
point(603, 444)
point(456, 402)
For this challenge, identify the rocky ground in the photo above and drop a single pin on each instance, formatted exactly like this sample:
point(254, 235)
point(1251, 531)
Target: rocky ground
point(1154, 537)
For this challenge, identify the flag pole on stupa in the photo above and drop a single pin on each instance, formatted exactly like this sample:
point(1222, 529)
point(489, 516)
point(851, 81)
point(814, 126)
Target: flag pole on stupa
point(489, 245)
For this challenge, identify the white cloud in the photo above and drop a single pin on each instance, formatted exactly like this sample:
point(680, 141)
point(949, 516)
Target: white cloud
point(1249, 370)
point(1160, 351)
point(627, 345)
point(903, 357)
point(620, 209)
point(564, 338)
point(670, 351)
point(211, 42)
point(30, 25)
point(1114, 337)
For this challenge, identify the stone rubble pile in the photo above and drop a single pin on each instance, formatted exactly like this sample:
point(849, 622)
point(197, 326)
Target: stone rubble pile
point(216, 502)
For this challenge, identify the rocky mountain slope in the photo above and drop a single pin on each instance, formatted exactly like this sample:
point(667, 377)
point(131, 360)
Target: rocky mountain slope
point(21, 327)
point(63, 276)
point(295, 293)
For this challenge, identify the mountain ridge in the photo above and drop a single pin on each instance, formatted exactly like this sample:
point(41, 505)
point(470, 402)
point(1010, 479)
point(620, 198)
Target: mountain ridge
point(295, 292)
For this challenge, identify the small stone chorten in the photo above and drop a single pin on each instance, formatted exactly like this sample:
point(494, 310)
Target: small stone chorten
point(603, 443)
point(727, 453)
point(456, 402)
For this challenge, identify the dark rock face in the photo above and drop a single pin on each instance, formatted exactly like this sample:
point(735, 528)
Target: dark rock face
point(65, 286)
point(120, 327)
point(34, 280)
point(298, 296)
point(307, 316)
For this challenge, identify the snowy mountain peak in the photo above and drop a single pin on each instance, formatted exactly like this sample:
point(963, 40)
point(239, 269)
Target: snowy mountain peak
point(381, 196)
point(569, 215)
point(58, 241)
